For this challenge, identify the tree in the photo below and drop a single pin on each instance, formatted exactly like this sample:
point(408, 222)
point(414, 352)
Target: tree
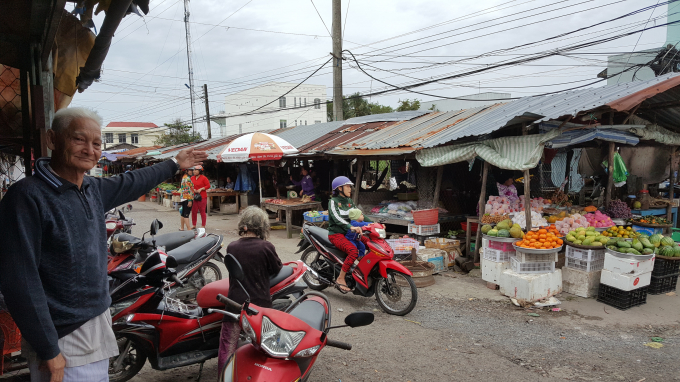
point(177, 133)
point(408, 105)
point(356, 106)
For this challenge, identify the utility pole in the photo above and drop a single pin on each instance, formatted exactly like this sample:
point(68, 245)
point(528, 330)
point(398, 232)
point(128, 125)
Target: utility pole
point(207, 109)
point(191, 68)
point(337, 61)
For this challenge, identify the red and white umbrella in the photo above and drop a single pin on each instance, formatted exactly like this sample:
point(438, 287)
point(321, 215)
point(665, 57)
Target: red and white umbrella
point(256, 147)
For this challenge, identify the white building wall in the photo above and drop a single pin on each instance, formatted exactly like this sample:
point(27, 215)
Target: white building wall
point(300, 108)
point(481, 99)
point(617, 65)
point(145, 136)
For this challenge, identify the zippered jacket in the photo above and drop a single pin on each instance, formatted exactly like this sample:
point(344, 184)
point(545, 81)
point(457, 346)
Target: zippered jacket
point(338, 211)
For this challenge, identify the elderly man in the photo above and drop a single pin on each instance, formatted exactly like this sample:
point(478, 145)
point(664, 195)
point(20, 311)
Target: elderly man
point(53, 252)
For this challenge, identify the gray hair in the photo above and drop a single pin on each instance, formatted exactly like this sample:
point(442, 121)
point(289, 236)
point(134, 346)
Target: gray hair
point(255, 220)
point(64, 117)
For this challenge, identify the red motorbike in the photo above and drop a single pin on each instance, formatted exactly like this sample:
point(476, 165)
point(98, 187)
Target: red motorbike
point(376, 273)
point(284, 345)
point(116, 223)
point(150, 323)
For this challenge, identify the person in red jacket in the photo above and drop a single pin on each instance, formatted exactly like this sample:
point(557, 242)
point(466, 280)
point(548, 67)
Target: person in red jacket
point(201, 184)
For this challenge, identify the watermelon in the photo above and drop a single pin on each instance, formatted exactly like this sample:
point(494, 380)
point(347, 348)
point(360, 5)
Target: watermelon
point(667, 242)
point(666, 251)
point(655, 239)
point(676, 251)
point(503, 233)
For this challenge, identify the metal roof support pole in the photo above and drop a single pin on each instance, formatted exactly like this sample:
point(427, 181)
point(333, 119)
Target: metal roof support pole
point(671, 189)
point(438, 186)
point(610, 174)
point(482, 206)
point(527, 189)
point(360, 168)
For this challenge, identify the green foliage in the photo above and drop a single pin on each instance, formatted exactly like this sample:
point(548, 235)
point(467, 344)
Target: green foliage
point(177, 133)
point(356, 106)
point(408, 104)
point(433, 108)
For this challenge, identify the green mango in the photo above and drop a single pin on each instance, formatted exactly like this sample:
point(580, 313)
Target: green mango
point(637, 245)
point(572, 233)
point(645, 243)
point(603, 239)
point(581, 237)
point(623, 244)
point(588, 240)
point(571, 238)
point(590, 229)
point(597, 244)
point(578, 242)
point(591, 233)
point(647, 251)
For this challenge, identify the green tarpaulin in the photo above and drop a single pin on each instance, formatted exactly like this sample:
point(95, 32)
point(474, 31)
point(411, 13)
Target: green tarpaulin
point(510, 153)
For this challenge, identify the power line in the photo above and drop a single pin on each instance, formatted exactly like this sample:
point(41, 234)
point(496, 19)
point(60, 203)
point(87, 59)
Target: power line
point(324, 23)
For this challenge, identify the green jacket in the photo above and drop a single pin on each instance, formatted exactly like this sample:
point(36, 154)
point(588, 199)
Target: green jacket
point(338, 209)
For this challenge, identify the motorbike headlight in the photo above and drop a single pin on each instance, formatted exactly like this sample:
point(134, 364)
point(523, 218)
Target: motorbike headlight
point(381, 232)
point(278, 342)
point(307, 352)
point(110, 225)
point(248, 329)
point(120, 306)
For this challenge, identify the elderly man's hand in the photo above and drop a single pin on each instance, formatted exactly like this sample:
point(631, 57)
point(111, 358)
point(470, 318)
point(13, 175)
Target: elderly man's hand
point(189, 158)
point(56, 368)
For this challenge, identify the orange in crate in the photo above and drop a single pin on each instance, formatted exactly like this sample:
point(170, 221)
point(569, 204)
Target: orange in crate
point(541, 239)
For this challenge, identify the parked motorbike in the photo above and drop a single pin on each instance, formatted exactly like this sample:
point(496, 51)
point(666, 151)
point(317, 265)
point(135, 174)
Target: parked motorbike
point(284, 345)
point(376, 273)
point(150, 323)
point(116, 223)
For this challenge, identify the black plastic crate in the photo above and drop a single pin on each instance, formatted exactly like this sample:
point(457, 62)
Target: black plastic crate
point(621, 299)
point(663, 284)
point(664, 267)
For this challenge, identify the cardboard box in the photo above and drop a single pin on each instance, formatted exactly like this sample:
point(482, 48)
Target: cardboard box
point(626, 282)
point(441, 243)
point(623, 265)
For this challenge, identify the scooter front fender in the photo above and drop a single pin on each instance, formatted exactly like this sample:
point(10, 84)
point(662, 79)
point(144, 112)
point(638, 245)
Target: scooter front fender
point(391, 264)
point(250, 364)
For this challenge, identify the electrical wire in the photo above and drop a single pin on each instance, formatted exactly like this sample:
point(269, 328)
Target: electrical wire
point(324, 23)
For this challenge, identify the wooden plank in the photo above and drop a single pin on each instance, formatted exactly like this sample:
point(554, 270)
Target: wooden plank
point(357, 187)
point(289, 222)
point(438, 186)
point(610, 175)
point(482, 208)
point(527, 200)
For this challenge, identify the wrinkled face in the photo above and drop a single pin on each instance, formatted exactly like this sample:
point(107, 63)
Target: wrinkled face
point(79, 146)
point(346, 190)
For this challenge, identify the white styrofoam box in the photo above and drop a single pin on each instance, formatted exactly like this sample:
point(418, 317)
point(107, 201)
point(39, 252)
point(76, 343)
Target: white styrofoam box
point(497, 255)
point(520, 267)
point(530, 287)
point(624, 265)
point(584, 265)
point(536, 257)
point(485, 242)
point(580, 283)
point(426, 254)
point(625, 282)
point(491, 270)
point(584, 254)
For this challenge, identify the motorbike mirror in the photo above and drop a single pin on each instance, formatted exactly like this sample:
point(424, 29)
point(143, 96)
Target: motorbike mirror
point(234, 267)
point(155, 227)
point(120, 215)
point(171, 262)
point(357, 319)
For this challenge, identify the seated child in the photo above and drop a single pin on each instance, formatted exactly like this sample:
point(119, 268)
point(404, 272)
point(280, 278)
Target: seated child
point(356, 218)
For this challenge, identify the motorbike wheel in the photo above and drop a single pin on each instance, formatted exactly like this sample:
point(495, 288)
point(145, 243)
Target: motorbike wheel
point(397, 294)
point(211, 272)
point(311, 258)
point(133, 361)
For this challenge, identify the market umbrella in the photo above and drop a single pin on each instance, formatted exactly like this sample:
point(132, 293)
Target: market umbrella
point(256, 147)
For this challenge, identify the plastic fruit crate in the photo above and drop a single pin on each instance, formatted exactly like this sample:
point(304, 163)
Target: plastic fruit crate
point(501, 245)
point(520, 267)
point(536, 257)
point(497, 255)
point(313, 219)
point(584, 254)
point(403, 246)
point(423, 230)
point(584, 265)
point(663, 267)
point(620, 299)
point(663, 284)
point(426, 217)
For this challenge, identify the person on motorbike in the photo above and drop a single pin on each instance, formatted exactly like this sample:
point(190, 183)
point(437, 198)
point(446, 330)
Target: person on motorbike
point(259, 261)
point(339, 225)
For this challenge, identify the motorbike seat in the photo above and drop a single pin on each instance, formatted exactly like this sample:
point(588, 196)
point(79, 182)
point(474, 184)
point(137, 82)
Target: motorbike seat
point(193, 310)
point(172, 240)
point(193, 250)
point(312, 313)
point(283, 274)
point(207, 296)
point(127, 237)
point(321, 235)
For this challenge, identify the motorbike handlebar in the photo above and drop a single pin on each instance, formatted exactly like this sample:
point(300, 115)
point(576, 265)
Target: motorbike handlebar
point(338, 344)
point(228, 302)
point(177, 280)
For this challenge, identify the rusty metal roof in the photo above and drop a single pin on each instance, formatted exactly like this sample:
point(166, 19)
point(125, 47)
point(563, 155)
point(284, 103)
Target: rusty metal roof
point(212, 146)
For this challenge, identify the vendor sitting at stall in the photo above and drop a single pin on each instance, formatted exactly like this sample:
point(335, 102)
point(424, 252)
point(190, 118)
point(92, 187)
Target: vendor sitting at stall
point(229, 185)
point(307, 183)
point(507, 188)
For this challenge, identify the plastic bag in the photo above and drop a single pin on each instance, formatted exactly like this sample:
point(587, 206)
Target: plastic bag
point(620, 170)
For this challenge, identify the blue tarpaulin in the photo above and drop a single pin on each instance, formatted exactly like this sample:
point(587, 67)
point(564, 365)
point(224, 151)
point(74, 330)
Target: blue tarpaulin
point(575, 137)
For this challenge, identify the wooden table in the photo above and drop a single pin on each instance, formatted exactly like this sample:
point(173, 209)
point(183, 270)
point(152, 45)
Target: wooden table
point(289, 208)
point(220, 193)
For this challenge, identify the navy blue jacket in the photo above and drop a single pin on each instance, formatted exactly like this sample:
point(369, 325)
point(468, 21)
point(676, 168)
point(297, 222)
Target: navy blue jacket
point(53, 252)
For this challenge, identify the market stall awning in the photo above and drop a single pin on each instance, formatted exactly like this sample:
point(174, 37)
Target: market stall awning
point(657, 133)
point(575, 137)
point(510, 153)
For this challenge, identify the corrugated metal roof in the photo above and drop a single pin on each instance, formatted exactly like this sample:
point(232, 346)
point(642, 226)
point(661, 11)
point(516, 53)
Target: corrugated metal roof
point(299, 136)
point(212, 146)
point(343, 136)
point(396, 116)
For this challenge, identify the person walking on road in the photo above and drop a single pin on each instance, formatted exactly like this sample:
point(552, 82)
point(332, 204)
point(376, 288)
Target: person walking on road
point(53, 252)
point(201, 184)
point(186, 190)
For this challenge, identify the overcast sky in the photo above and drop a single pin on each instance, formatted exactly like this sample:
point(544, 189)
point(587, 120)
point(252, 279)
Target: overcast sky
point(238, 44)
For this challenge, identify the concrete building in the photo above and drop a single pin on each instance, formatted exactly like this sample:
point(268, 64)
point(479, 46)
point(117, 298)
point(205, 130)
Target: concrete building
point(138, 134)
point(481, 99)
point(303, 106)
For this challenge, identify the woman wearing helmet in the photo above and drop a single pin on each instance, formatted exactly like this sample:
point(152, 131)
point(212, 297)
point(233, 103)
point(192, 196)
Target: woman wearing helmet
point(339, 225)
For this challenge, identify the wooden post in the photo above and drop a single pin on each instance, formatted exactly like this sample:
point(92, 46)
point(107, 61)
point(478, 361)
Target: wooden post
point(360, 168)
point(437, 187)
point(527, 200)
point(610, 175)
point(482, 208)
point(671, 189)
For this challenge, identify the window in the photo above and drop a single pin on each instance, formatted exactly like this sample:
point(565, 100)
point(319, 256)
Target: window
point(282, 124)
point(317, 103)
point(108, 137)
point(134, 138)
point(315, 122)
point(282, 102)
point(121, 138)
